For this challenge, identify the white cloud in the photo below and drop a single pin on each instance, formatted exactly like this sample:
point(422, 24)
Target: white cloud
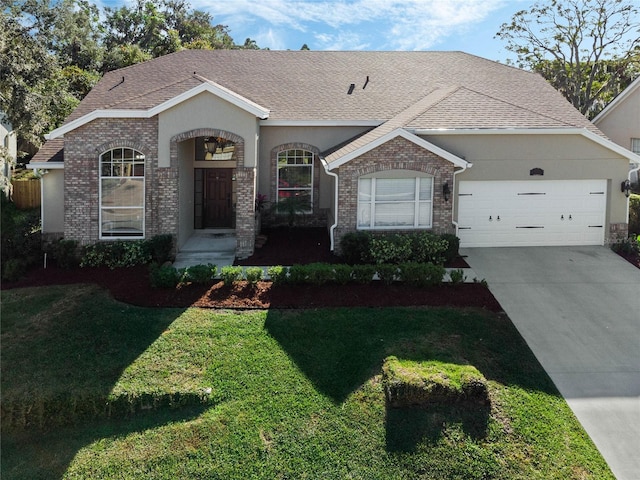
point(355, 24)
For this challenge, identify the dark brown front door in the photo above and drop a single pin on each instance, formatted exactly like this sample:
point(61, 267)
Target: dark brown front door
point(217, 198)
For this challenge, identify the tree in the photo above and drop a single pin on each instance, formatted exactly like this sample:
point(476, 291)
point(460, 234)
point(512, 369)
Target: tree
point(589, 50)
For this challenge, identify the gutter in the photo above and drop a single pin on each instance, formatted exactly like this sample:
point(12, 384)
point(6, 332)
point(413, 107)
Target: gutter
point(335, 216)
point(453, 195)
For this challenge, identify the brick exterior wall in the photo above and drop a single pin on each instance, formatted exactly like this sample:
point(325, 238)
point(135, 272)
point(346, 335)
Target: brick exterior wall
point(82, 148)
point(617, 233)
point(397, 154)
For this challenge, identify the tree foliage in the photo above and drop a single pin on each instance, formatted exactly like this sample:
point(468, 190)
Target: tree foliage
point(589, 50)
point(52, 52)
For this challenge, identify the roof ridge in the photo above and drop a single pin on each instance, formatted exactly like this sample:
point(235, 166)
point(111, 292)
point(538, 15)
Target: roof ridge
point(148, 92)
point(400, 120)
point(517, 106)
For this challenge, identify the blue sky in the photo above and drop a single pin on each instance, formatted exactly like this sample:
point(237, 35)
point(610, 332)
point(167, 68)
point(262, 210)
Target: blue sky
point(467, 25)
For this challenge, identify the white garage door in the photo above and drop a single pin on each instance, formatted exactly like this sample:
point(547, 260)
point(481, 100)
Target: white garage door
point(525, 213)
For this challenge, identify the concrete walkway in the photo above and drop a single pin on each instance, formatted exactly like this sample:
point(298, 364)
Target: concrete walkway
point(578, 308)
point(217, 247)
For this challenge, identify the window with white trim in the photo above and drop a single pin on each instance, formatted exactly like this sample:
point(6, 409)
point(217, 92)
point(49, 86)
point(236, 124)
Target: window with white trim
point(635, 145)
point(295, 176)
point(122, 193)
point(392, 203)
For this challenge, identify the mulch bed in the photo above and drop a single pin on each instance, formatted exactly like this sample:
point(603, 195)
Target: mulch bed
point(283, 247)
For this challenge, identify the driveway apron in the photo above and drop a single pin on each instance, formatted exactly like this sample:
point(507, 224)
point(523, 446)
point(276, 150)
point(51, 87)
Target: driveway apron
point(578, 308)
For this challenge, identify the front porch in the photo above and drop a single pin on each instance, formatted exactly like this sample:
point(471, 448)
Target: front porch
point(215, 246)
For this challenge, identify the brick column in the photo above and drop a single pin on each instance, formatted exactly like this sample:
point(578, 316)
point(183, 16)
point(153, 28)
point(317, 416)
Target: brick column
point(245, 211)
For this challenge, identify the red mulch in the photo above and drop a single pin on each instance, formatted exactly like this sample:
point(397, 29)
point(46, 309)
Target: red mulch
point(283, 247)
point(131, 285)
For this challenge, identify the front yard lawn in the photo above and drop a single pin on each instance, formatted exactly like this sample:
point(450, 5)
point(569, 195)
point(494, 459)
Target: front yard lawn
point(92, 388)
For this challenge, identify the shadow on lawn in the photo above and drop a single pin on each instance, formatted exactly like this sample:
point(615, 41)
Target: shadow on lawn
point(341, 352)
point(61, 359)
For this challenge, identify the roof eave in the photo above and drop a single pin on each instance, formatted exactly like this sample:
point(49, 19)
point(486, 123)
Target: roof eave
point(207, 86)
point(398, 132)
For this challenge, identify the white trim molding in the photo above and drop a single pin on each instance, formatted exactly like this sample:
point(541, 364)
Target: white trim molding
point(602, 141)
point(45, 165)
point(321, 123)
point(207, 86)
point(399, 132)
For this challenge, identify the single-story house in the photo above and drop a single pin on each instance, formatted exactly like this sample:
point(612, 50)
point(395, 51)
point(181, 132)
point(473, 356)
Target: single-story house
point(620, 121)
point(375, 141)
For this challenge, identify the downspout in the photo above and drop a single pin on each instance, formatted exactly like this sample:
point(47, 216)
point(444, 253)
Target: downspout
point(335, 216)
point(453, 195)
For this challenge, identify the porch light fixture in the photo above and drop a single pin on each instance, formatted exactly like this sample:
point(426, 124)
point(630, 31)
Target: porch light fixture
point(445, 191)
point(210, 145)
point(625, 187)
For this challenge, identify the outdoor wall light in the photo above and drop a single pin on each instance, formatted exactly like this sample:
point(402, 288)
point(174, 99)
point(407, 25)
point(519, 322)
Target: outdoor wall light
point(446, 191)
point(625, 187)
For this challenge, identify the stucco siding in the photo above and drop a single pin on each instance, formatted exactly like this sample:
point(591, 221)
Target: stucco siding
point(561, 157)
point(53, 202)
point(622, 123)
point(207, 111)
point(323, 138)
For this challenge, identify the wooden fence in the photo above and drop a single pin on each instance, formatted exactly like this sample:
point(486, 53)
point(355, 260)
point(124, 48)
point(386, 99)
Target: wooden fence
point(26, 193)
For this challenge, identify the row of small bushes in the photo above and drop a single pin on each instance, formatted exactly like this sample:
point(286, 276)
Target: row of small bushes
point(412, 273)
point(20, 239)
point(420, 247)
point(112, 254)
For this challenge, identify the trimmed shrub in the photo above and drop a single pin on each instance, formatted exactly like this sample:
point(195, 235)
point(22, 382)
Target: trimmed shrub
point(453, 247)
point(409, 383)
point(427, 248)
point(160, 247)
point(116, 254)
point(391, 249)
point(355, 248)
point(319, 273)
point(422, 274)
point(342, 274)
point(164, 276)
point(200, 273)
point(363, 274)
point(278, 274)
point(64, 252)
point(634, 215)
point(387, 273)
point(457, 276)
point(231, 274)
point(297, 274)
point(253, 275)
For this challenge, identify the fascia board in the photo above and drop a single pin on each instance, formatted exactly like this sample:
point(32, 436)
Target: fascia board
point(321, 123)
point(211, 87)
point(604, 142)
point(45, 165)
point(399, 132)
point(616, 101)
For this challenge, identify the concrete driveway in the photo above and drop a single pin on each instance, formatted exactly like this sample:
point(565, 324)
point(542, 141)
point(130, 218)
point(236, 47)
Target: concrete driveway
point(578, 308)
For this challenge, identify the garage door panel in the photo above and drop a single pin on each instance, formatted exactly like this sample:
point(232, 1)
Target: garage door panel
point(498, 213)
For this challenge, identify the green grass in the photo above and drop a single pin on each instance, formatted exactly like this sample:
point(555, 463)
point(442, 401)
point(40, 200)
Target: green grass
point(287, 394)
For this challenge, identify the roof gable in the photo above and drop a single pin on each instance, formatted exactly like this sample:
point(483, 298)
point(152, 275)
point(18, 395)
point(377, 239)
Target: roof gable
point(206, 86)
point(337, 161)
point(620, 98)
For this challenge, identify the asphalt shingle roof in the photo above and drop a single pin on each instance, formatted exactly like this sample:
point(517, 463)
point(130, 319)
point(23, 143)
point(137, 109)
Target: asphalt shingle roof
point(312, 86)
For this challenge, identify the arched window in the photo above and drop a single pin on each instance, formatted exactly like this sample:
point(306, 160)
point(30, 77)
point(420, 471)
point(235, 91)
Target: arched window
point(295, 177)
point(122, 193)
